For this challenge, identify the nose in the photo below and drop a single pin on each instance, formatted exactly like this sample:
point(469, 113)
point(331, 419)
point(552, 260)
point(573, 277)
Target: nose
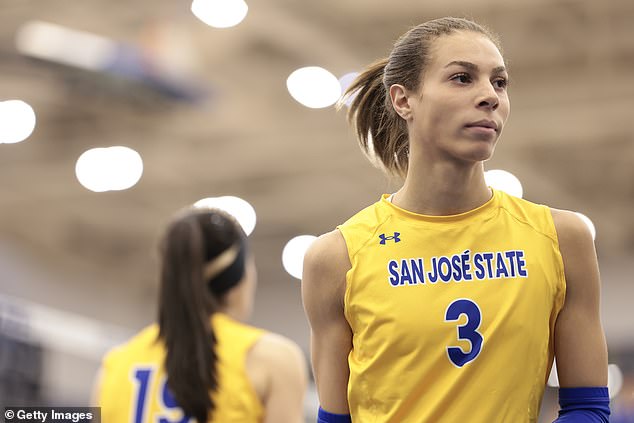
point(488, 97)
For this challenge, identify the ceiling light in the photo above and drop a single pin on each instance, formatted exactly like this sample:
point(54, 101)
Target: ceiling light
point(109, 169)
point(293, 254)
point(504, 181)
point(314, 87)
point(345, 81)
point(235, 206)
point(17, 121)
point(220, 13)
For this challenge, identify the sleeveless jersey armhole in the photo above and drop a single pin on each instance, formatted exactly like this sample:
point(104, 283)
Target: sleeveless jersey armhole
point(561, 271)
point(354, 243)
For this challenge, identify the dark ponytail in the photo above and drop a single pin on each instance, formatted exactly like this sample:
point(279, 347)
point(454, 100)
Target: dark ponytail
point(186, 304)
point(381, 132)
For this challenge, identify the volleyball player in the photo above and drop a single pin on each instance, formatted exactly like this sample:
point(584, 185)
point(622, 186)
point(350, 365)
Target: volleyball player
point(447, 301)
point(201, 362)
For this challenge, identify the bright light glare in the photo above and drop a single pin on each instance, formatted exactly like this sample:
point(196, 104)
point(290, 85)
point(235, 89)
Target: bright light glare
point(220, 13)
point(345, 81)
point(588, 223)
point(314, 87)
point(109, 169)
point(504, 181)
point(128, 166)
point(64, 45)
point(615, 380)
point(553, 379)
point(235, 206)
point(17, 121)
point(293, 254)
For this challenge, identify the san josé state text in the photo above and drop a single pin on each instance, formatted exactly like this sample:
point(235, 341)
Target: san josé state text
point(465, 266)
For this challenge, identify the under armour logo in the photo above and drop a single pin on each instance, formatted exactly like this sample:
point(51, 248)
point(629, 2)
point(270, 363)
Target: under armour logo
point(384, 238)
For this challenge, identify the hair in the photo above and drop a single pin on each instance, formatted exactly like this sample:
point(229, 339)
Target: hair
point(192, 240)
point(381, 132)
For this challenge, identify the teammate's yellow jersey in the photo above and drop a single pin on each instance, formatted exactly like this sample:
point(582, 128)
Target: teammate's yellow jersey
point(132, 387)
point(452, 316)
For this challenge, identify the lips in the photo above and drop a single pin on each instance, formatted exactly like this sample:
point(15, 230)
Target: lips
point(484, 124)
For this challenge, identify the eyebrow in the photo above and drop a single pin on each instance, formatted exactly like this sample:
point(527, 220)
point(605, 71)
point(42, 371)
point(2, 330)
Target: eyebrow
point(473, 67)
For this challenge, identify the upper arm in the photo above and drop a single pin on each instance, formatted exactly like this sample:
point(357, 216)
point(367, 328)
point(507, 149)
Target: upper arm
point(323, 288)
point(277, 367)
point(580, 346)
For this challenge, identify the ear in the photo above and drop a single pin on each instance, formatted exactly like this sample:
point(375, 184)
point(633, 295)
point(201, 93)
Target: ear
point(400, 101)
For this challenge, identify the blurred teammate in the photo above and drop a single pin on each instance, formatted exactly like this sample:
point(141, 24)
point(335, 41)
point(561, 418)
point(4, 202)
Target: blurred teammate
point(446, 301)
point(200, 360)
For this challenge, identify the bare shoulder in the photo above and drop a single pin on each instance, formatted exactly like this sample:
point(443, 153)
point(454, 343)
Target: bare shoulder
point(275, 360)
point(570, 227)
point(273, 348)
point(323, 280)
point(577, 251)
point(327, 256)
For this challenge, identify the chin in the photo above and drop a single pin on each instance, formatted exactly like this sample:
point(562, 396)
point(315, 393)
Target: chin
point(481, 154)
point(474, 149)
point(485, 155)
point(484, 150)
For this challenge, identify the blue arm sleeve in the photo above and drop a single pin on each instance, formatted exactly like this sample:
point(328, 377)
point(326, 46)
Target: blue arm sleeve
point(325, 417)
point(584, 405)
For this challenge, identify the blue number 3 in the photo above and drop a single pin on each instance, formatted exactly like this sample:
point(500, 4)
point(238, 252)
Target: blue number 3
point(468, 331)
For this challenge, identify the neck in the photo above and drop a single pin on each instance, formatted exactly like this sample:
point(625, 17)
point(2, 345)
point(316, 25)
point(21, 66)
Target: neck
point(443, 189)
point(232, 311)
point(235, 304)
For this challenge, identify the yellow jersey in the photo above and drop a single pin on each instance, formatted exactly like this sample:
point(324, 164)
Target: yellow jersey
point(452, 316)
point(133, 388)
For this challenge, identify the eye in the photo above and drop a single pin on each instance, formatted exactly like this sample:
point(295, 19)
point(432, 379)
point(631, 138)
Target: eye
point(462, 78)
point(501, 83)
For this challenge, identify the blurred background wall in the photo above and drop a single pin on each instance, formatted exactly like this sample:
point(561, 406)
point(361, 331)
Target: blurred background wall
point(208, 112)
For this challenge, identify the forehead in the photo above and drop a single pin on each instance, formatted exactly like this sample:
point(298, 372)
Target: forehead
point(465, 46)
